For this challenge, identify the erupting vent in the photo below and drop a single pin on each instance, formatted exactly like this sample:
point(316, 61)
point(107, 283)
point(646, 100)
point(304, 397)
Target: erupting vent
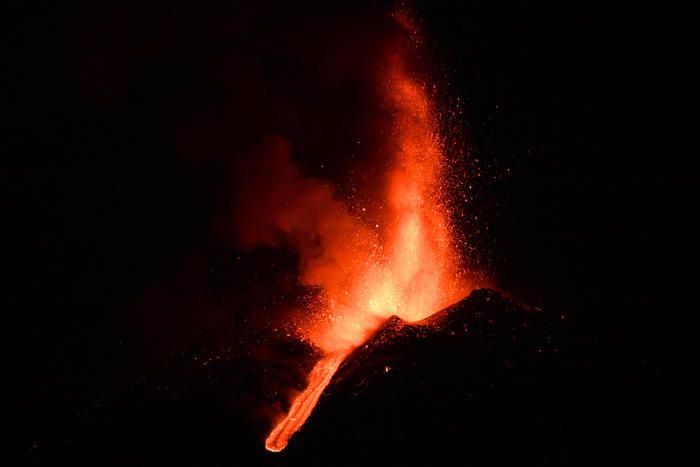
point(407, 265)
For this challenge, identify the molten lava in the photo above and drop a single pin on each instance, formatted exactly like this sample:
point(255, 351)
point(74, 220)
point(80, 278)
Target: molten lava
point(319, 378)
point(406, 266)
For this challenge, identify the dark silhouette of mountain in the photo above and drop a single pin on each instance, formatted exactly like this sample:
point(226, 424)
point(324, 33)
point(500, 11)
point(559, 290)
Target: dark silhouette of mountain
point(484, 381)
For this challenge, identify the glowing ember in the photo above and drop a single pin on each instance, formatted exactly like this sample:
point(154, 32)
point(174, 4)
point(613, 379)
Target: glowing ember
point(406, 266)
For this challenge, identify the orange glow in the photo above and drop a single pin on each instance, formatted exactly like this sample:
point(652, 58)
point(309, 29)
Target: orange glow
point(319, 378)
point(407, 265)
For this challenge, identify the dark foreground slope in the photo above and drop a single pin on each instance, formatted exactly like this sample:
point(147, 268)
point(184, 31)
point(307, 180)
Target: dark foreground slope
point(484, 382)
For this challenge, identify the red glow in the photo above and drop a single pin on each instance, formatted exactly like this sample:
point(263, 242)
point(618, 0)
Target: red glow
point(407, 265)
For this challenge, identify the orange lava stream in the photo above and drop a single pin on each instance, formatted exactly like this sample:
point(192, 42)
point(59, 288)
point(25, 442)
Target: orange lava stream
point(304, 404)
point(412, 268)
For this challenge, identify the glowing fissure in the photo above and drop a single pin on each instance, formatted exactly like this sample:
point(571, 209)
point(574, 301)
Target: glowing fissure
point(407, 266)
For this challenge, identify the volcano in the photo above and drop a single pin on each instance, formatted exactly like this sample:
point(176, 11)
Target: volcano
point(483, 380)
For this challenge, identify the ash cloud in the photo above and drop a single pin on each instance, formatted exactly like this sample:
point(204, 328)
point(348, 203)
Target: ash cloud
point(276, 204)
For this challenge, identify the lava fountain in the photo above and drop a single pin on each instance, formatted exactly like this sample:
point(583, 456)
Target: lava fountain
point(406, 266)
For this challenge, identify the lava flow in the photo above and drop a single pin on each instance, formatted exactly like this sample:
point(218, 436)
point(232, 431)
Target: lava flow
point(319, 378)
point(407, 265)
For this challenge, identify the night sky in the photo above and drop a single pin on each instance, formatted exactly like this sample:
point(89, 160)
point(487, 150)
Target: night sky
point(128, 126)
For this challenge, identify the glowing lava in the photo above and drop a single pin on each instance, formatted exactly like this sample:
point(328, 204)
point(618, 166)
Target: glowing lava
point(319, 378)
point(411, 266)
